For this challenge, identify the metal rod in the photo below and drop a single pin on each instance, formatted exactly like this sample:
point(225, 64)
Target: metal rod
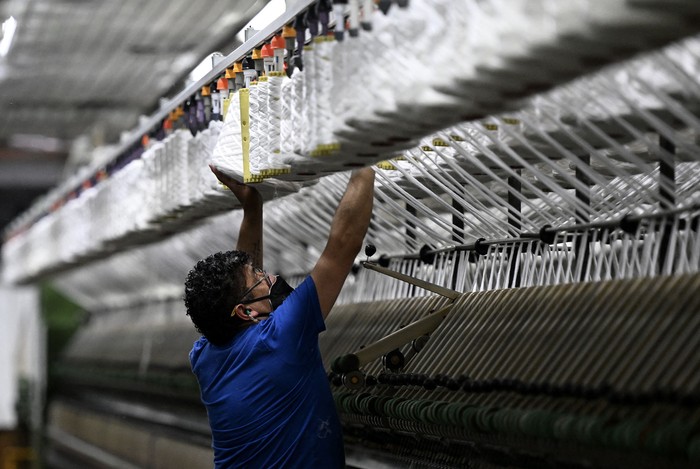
point(667, 193)
point(583, 248)
point(524, 237)
point(515, 222)
point(442, 291)
point(411, 228)
point(457, 234)
point(421, 327)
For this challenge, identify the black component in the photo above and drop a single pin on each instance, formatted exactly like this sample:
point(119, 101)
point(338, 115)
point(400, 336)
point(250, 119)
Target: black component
point(452, 384)
point(346, 364)
point(394, 360)
point(547, 236)
point(418, 343)
point(248, 63)
point(383, 261)
point(384, 6)
point(371, 380)
point(383, 378)
point(426, 256)
point(370, 250)
point(312, 21)
point(628, 225)
point(480, 247)
point(324, 8)
point(298, 61)
point(429, 384)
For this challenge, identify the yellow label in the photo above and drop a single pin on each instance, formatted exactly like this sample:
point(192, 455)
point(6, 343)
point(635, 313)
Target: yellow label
point(456, 138)
point(227, 103)
point(386, 165)
point(427, 148)
point(244, 95)
point(438, 142)
point(511, 121)
point(491, 126)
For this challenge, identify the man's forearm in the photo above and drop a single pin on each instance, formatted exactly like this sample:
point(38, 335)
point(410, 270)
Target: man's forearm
point(354, 211)
point(251, 231)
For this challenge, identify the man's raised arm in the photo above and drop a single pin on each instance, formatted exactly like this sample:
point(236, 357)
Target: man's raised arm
point(348, 230)
point(250, 234)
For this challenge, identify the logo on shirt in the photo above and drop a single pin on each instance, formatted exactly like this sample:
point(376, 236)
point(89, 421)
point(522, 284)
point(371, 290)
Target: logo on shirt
point(324, 429)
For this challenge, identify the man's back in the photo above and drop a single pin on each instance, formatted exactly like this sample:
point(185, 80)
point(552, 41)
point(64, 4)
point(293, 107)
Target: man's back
point(266, 392)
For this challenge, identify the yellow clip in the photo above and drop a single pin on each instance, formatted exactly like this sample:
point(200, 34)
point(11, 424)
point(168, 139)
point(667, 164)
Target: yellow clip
point(244, 94)
point(386, 165)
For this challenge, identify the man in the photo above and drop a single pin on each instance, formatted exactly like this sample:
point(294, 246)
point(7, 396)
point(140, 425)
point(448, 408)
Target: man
point(258, 365)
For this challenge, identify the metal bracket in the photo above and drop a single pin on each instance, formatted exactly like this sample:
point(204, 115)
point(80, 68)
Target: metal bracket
point(442, 291)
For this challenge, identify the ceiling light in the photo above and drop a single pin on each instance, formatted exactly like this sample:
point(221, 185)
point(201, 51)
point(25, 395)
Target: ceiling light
point(8, 33)
point(36, 143)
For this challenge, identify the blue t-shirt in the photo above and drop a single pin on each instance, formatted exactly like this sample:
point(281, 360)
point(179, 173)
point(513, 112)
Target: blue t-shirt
point(266, 392)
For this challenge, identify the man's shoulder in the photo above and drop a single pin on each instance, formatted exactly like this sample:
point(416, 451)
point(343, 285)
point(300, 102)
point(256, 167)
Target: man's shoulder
point(199, 345)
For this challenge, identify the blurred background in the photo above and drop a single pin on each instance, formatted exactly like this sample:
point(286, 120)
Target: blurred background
point(74, 75)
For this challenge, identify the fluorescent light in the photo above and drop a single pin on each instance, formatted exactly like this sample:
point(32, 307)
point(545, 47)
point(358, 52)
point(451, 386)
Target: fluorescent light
point(8, 33)
point(36, 143)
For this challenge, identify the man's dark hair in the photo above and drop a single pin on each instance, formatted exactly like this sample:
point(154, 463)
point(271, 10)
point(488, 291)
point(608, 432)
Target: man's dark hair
point(212, 289)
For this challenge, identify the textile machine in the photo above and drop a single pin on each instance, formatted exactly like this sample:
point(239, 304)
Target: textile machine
point(530, 298)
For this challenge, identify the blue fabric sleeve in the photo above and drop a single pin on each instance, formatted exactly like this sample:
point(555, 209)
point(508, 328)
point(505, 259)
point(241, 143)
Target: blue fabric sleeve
point(294, 326)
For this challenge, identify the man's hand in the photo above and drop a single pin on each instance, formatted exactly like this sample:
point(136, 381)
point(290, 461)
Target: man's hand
point(246, 195)
point(250, 233)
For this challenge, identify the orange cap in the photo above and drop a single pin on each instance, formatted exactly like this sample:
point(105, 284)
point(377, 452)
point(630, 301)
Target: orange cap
point(267, 51)
point(206, 91)
point(230, 73)
point(222, 84)
point(167, 124)
point(289, 32)
point(144, 141)
point(257, 53)
point(278, 42)
point(238, 67)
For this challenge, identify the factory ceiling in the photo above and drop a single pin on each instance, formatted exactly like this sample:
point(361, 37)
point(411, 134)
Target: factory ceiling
point(90, 68)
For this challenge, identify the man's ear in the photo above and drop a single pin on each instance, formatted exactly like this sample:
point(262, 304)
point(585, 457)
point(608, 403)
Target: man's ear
point(242, 311)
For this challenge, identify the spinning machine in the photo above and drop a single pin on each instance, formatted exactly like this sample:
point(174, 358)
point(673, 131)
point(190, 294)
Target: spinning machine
point(529, 293)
